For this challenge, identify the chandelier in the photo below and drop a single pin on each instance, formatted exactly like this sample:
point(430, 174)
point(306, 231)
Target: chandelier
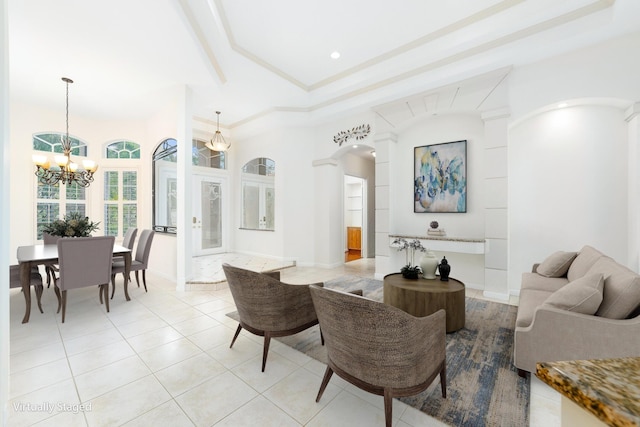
point(218, 143)
point(65, 170)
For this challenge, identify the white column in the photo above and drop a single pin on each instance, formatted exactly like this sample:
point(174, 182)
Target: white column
point(5, 226)
point(632, 116)
point(385, 150)
point(184, 181)
point(328, 221)
point(496, 228)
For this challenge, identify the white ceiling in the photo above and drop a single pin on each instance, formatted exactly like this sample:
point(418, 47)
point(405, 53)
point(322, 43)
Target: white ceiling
point(247, 58)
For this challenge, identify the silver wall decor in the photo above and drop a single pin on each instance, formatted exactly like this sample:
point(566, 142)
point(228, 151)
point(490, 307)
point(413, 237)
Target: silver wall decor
point(358, 132)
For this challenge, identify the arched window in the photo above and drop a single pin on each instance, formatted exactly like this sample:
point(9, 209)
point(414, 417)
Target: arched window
point(55, 201)
point(52, 143)
point(122, 150)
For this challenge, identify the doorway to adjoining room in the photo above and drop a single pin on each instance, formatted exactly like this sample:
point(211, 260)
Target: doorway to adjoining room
point(353, 216)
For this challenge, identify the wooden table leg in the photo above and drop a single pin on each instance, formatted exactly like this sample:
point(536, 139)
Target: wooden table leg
point(127, 271)
point(25, 281)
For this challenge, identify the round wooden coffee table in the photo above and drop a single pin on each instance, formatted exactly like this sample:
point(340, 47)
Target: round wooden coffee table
point(423, 297)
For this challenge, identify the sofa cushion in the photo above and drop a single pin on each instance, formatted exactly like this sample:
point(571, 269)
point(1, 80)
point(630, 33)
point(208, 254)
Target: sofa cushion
point(557, 264)
point(583, 262)
point(541, 283)
point(621, 289)
point(583, 295)
point(530, 299)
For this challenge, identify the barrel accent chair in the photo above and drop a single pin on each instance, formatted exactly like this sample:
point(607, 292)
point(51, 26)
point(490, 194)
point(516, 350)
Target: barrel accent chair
point(380, 348)
point(268, 307)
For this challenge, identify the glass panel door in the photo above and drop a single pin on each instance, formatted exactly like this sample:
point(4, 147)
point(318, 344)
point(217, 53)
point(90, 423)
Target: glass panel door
point(208, 215)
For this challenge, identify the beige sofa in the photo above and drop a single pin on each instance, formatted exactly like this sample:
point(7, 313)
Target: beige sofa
point(577, 306)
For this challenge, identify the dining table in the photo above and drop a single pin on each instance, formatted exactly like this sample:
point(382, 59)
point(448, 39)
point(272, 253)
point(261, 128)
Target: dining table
point(33, 255)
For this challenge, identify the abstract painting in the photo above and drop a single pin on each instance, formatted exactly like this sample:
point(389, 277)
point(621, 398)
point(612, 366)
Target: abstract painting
point(440, 177)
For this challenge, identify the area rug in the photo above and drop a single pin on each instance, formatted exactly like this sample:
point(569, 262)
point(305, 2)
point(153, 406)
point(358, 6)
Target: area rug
point(483, 386)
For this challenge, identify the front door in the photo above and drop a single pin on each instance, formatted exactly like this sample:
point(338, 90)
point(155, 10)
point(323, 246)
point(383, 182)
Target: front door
point(208, 215)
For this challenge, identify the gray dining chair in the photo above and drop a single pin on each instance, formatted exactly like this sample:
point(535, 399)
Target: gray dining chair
point(35, 279)
point(84, 261)
point(129, 239)
point(138, 263)
point(51, 269)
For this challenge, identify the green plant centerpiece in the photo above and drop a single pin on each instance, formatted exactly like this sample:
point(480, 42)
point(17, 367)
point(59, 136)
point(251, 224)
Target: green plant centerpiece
point(72, 225)
point(410, 270)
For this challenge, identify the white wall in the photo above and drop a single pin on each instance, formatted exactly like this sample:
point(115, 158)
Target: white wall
point(445, 128)
point(435, 130)
point(567, 185)
point(605, 70)
point(27, 120)
point(292, 238)
point(5, 225)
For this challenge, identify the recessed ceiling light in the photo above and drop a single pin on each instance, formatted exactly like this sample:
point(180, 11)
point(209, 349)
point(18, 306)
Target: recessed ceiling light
point(355, 146)
point(335, 54)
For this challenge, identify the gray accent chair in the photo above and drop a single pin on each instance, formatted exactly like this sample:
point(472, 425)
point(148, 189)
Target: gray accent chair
point(84, 261)
point(139, 263)
point(380, 348)
point(268, 307)
point(35, 279)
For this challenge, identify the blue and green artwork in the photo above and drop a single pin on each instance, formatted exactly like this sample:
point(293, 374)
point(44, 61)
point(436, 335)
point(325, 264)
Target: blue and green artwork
point(440, 183)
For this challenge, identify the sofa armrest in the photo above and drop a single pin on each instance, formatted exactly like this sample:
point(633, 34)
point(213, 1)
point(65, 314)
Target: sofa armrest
point(556, 334)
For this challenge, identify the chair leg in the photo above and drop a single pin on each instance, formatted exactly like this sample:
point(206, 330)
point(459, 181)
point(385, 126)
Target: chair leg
point(39, 291)
point(325, 380)
point(137, 279)
point(265, 350)
point(113, 284)
point(104, 289)
point(321, 337)
point(144, 279)
point(443, 380)
point(64, 304)
point(57, 289)
point(388, 406)
point(236, 335)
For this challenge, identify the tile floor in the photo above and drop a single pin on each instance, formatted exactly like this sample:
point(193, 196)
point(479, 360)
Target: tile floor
point(163, 359)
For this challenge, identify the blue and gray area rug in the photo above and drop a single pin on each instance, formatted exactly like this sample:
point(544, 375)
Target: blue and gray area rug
point(483, 386)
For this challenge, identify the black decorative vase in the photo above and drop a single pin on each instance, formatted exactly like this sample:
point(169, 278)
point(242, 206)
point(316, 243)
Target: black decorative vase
point(444, 268)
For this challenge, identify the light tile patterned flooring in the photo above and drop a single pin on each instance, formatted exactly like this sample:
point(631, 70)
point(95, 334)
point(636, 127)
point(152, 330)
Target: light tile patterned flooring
point(163, 359)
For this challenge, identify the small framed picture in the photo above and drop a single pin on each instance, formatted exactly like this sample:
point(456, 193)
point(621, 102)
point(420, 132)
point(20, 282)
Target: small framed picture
point(440, 177)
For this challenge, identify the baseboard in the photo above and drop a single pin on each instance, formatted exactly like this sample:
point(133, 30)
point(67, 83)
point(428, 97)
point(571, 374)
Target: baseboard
point(496, 295)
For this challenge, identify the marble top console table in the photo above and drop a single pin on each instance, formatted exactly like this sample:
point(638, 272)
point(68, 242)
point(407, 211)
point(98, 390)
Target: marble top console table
point(446, 244)
point(609, 389)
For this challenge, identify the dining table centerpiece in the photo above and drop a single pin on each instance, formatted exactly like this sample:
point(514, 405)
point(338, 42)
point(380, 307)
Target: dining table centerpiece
point(411, 270)
point(72, 224)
